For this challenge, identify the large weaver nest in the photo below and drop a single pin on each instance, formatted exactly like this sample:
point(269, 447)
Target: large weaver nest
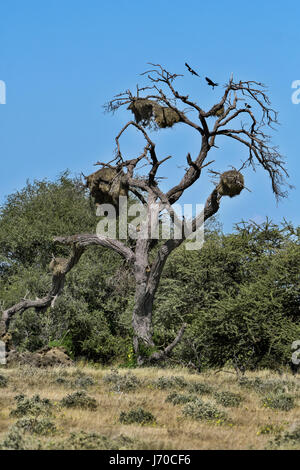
point(106, 186)
point(231, 183)
point(145, 110)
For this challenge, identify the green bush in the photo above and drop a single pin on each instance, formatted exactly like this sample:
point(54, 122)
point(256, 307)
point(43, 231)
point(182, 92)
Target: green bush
point(42, 426)
point(228, 399)
point(200, 388)
point(93, 441)
point(179, 398)
point(79, 400)
point(34, 406)
point(238, 294)
point(201, 410)
point(14, 440)
point(279, 401)
point(289, 438)
point(84, 381)
point(62, 381)
point(122, 382)
point(263, 386)
point(138, 415)
point(3, 381)
point(174, 381)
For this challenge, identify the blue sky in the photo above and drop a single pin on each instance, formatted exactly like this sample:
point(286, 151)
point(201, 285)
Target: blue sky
point(62, 60)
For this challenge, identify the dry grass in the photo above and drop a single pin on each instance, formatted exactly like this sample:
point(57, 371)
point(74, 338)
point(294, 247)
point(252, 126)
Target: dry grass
point(248, 426)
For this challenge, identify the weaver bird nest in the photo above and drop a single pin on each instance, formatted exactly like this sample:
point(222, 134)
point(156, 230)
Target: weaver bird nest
point(58, 265)
point(145, 110)
point(106, 185)
point(231, 183)
point(219, 112)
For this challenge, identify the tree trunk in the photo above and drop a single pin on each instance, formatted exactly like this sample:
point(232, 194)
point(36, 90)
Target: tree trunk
point(142, 324)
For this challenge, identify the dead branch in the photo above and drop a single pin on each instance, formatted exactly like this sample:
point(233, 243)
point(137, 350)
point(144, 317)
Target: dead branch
point(58, 281)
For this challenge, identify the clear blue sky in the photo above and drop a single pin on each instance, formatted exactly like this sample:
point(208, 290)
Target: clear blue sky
point(63, 59)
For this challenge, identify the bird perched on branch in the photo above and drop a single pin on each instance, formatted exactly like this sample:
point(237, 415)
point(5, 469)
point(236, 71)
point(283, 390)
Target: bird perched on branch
point(210, 82)
point(191, 70)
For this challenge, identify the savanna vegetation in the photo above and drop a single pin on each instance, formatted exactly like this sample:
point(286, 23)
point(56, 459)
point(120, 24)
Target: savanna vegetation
point(239, 294)
point(86, 407)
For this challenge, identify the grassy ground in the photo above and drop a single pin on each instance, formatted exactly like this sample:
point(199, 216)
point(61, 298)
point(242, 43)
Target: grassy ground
point(158, 409)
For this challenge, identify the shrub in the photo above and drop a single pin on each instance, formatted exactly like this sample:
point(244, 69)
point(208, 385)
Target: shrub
point(3, 381)
point(264, 386)
point(137, 415)
point(79, 400)
point(61, 381)
point(32, 406)
point(228, 399)
point(203, 411)
point(293, 435)
point(179, 398)
point(200, 388)
point(280, 402)
point(14, 440)
point(122, 383)
point(289, 437)
point(34, 425)
point(92, 441)
point(84, 381)
point(175, 381)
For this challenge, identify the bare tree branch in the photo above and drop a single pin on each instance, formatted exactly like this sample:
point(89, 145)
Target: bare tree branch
point(58, 281)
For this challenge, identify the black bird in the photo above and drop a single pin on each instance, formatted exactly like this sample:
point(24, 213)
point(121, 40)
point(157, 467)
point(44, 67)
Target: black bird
point(247, 105)
point(210, 82)
point(191, 70)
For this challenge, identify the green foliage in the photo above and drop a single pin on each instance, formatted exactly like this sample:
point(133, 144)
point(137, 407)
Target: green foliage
point(239, 295)
point(264, 386)
point(3, 381)
point(30, 218)
point(281, 401)
point(34, 406)
point(84, 381)
point(293, 435)
point(137, 415)
point(122, 382)
point(228, 399)
point(131, 361)
point(289, 439)
point(79, 400)
point(80, 381)
point(200, 388)
point(65, 342)
point(201, 410)
point(93, 441)
point(174, 381)
point(39, 426)
point(85, 320)
point(179, 398)
point(14, 440)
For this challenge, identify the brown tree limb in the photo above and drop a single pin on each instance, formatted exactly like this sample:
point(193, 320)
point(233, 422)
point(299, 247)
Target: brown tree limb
point(58, 281)
point(88, 239)
point(159, 355)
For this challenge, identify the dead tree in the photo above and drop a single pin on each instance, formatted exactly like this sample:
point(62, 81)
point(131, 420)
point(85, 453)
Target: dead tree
point(160, 107)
